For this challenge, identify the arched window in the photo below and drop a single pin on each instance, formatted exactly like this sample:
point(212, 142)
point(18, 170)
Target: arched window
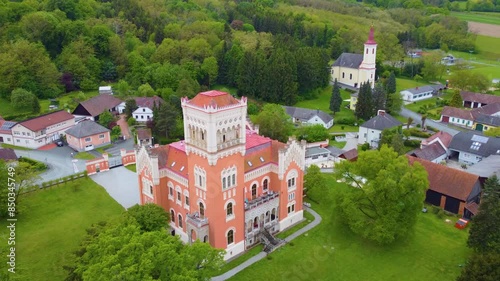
point(180, 221)
point(229, 209)
point(373, 51)
point(230, 237)
point(367, 50)
point(172, 216)
point(205, 239)
point(202, 210)
point(265, 184)
point(223, 183)
point(254, 191)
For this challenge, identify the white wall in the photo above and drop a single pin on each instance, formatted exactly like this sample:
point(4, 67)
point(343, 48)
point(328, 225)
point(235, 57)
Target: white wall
point(468, 158)
point(7, 138)
point(121, 107)
point(336, 73)
point(143, 114)
point(368, 135)
point(461, 122)
point(316, 120)
point(408, 96)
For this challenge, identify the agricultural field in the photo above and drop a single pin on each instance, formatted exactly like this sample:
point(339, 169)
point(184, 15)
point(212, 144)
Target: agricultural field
point(481, 17)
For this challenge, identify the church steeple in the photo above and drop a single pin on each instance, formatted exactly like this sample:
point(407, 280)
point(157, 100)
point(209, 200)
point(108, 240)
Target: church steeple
point(371, 40)
point(370, 57)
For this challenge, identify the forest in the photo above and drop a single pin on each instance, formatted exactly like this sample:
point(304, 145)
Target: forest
point(275, 51)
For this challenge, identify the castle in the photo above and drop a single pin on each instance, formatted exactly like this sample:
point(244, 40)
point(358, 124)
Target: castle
point(224, 184)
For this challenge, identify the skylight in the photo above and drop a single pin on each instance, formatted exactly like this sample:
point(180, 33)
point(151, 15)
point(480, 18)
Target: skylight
point(249, 163)
point(475, 145)
point(481, 139)
point(173, 164)
point(261, 159)
point(182, 168)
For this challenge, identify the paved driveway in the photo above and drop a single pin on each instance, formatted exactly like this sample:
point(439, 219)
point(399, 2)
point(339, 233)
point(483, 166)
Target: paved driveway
point(121, 184)
point(59, 161)
point(417, 118)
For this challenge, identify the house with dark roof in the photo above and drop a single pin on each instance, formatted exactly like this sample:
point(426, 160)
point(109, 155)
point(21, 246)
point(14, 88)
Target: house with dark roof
point(92, 108)
point(6, 131)
point(371, 131)
point(434, 148)
point(8, 154)
point(487, 168)
point(309, 116)
point(351, 70)
point(418, 93)
point(471, 147)
point(451, 189)
point(479, 118)
point(87, 135)
point(473, 100)
point(44, 129)
point(457, 116)
point(145, 106)
point(350, 155)
point(144, 136)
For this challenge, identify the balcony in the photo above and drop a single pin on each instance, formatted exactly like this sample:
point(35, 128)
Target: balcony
point(196, 220)
point(227, 144)
point(270, 197)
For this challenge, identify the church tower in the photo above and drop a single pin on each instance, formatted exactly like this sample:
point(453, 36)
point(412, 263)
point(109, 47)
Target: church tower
point(367, 67)
point(215, 137)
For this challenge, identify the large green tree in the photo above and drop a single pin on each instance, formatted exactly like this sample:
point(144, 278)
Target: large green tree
point(151, 217)
point(24, 100)
point(130, 107)
point(281, 78)
point(379, 97)
point(105, 119)
point(336, 98)
point(456, 99)
point(481, 267)
point(274, 122)
point(313, 133)
point(469, 81)
point(384, 195)
point(394, 139)
point(483, 234)
point(315, 184)
point(166, 122)
point(364, 105)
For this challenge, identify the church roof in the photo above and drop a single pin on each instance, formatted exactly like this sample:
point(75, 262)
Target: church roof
point(371, 40)
point(349, 60)
point(214, 99)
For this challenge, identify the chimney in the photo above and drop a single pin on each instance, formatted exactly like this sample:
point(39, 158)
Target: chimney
point(381, 112)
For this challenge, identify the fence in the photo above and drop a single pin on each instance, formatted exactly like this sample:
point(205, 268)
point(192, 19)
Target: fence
point(54, 182)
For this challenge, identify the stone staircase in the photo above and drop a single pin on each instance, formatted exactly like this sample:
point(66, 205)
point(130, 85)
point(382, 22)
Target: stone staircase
point(270, 242)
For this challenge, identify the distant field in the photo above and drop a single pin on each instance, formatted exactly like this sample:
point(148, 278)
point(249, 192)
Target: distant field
point(489, 47)
point(491, 18)
point(406, 83)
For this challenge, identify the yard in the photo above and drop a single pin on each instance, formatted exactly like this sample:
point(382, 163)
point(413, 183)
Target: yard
point(331, 252)
point(52, 224)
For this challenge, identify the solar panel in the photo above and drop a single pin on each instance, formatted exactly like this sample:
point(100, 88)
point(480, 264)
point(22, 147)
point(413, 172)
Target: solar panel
point(7, 125)
point(480, 139)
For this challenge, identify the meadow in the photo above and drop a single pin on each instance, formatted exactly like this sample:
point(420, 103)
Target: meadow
point(483, 17)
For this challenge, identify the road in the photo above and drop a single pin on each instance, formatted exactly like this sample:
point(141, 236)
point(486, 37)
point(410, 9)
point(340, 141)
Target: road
point(417, 118)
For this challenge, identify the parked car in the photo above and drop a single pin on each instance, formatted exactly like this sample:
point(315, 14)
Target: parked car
point(60, 143)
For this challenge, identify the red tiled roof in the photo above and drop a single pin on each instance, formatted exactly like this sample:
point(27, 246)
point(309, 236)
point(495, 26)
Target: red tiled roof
point(254, 140)
point(430, 152)
point(444, 137)
point(148, 102)
point(351, 155)
point(213, 98)
point(46, 120)
point(7, 154)
point(488, 109)
point(143, 134)
point(457, 112)
point(100, 103)
point(168, 154)
point(482, 98)
point(448, 181)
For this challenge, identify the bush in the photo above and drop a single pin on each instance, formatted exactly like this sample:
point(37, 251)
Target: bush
point(38, 166)
point(417, 133)
point(442, 102)
point(432, 129)
point(365, 146)
point(412, 143)
point(346, 121)
point(131, 121)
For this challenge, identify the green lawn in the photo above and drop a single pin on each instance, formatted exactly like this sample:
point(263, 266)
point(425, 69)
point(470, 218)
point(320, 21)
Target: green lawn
point(308, 217)
point(132, 168)
point(491, 18)
point(331, 251)
point(6, 145)
point(84, 156)
point(52, 224)
point(339, 144)
point(488, 47)
point(102, 148)
point(406, 83)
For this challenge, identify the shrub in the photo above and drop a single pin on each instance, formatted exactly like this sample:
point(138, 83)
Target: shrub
point(417, 133)
point(365, 146)
point(131, 121)
point(346, 121)
point(342, 127)
point(412, 143)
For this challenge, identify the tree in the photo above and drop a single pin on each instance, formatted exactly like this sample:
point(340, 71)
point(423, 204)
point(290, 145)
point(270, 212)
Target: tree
point(122, 88)
point(483, 234)
point(481, 267)
point(364, 106)
point(116, 133)
point(313, 133)
point(409, 121)
point(423, 118)
point(274, 122)
point(384, 194)
point(390, 86)
point(433, 68)
point(210, 68)
point(379, 97)
point(166, 122)
point(105, 119)
point(494, 132)
point(456, 99)
point(394, 139)
point(24, 100)
point(150, 217)
point(336, 99)
point(131, 121)
point(145, 90)
point(315, 184)
point(130, 107)
point(470, 81)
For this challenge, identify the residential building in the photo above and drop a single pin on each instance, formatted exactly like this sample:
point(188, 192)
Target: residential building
point(144, 136)
point(418, 93)
point(484, 123)
point(107, 90)
point(145, 106)
point(473, 100)
point(315, 155)
point(371, 131)
point(350, 155)
point(451, 189)
point(457, 116)
point(309, 116)
point(6, 131)
point(224, 184)
point(8, 154)
point(415, 53)
point(87, 135)
point(44, 129)
point(92, 108)
point(479, 118)
point(471, 147)
point(353, 69)
point(434, 148)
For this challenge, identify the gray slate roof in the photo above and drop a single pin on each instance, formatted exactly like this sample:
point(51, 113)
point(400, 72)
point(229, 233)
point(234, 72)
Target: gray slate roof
point(381, 122)
point(475, 143)
point(335, 151)
point(429, 152)
point(349, 60)
point(421, 89)
point(316, 151)
point(86, 128)
point(488, 120)
point(487, 167)
point(305, 114)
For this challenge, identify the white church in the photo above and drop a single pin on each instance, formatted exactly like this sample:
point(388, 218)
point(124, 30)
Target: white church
point(353, 69)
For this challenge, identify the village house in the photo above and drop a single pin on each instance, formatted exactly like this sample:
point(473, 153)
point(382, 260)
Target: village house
point(92, 108)
point(418, 93)
point(480, 118)
point(371, 131)
point(309, 116)
point(451, 189)
point(434, 148)
point(224, 184)
point(144, 136)
point(87, 135)
point(106, 90)
point(473, 100)
point(472, 147)
point(350, 155)
point(6, 131)
point(351, 70)
point(44, 129)
point(457, 116)
point(145, 106)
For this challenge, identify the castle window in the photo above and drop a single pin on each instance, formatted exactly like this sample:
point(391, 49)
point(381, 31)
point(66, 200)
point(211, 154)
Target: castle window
point(265, 184)
point(202, 135)
point(366, 50)
point(350, 76)
point(254, 191)
point(234, 179)
point(229, 209)
point(151, 189)
point(230, 237)
point(223, 138)
point(187, 200)
point(180, 221)
point(202, 210)
point(223, 183)
point(343, 74)
point(172, 215)
point(373, 51)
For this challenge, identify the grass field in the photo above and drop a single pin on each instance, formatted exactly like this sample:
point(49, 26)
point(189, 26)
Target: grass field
point(331, 251)
point(52, 224)
point(84, 156)
point(6, 145)
point(406, 83)
point(488, 47)
point(491, 18)
point(131, 168)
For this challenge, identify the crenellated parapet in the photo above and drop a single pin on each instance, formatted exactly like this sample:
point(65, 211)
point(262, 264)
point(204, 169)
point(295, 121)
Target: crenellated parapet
point(294, 151)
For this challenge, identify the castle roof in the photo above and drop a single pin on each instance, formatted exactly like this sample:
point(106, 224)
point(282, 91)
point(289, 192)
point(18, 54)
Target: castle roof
point(213, 98)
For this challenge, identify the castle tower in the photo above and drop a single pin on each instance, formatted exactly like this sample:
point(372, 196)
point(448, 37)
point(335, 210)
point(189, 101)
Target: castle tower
point(367, 67)
point(214, 130)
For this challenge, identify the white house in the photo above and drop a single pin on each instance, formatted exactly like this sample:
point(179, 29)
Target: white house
point(371, 131)
point(105, 90)
point(309, 116)
point(472, 147)
point(45, 129)
point(417, 93)
point(353, 69)
point(6, 131)
point(145, 106)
